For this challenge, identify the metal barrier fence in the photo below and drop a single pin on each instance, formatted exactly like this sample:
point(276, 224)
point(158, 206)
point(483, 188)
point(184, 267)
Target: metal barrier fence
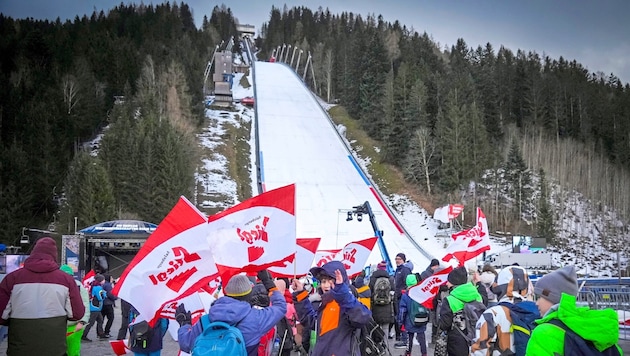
point(614, 297)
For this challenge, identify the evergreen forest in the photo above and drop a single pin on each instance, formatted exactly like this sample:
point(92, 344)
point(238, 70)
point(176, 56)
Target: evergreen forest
point(137, 70)
point(511, 121)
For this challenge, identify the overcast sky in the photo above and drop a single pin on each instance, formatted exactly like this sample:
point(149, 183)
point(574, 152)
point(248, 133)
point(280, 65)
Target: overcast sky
point(595, 33)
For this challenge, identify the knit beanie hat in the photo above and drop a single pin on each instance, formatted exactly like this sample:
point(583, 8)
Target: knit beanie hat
point(382, 266)
point(402, 255)
point(458, 276)
point(67, 269)
point(552, 285)
point(238, 286)
point(411, 280)
point(434, 262)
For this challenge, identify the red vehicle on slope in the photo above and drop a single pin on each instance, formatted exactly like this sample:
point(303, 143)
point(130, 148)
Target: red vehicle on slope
point(249, 101)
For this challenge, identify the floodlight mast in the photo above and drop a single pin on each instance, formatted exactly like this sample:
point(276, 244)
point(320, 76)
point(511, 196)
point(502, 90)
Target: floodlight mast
point(365, 208)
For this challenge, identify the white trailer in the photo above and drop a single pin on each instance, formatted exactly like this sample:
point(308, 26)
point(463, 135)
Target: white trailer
point(527, 260)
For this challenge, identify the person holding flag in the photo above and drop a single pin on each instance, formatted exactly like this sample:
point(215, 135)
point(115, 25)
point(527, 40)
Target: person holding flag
point(339, 315)
point(234, 309)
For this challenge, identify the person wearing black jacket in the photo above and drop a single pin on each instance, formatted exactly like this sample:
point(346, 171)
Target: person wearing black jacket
point(433, 266)
point(108, 304)
point(382, 314)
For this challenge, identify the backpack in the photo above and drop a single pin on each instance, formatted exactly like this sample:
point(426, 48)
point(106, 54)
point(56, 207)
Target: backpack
point(140, 335)
point(418, 314)
point(95, 302)
point(575, 345)
point(372, 340)
point(219, 338)
point(284, 332)
point(465, 320)
point(523, 315)
point(382, 287)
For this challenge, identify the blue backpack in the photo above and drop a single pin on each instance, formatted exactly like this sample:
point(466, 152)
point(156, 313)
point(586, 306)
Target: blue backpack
point(575, 345)
point(218, 338)
point(523, 315)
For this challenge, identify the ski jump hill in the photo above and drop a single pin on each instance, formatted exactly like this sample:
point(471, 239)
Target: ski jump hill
point(297, 142)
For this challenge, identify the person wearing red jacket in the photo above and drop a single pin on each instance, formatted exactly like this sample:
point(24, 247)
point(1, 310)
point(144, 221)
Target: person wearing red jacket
point(38, 300)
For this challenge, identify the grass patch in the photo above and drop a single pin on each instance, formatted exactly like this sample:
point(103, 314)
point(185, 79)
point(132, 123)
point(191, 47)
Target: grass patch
point(240, 169)
point(387, 177)
point(368, 148)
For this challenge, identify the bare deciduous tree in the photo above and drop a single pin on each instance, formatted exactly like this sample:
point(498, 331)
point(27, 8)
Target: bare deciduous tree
point(70, 88)
point(421, 165)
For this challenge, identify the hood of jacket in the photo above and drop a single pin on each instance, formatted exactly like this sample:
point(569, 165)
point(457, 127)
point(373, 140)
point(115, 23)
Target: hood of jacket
point(44, 256)
point(229, 310)
point(599, 326)
point(330, 268)
point(379, 273)
point(409, 265)
point(461, 294)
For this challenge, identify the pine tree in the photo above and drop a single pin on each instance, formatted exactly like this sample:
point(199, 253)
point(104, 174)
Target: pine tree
point(518, 179)
point(89, 194)
point(544, 222)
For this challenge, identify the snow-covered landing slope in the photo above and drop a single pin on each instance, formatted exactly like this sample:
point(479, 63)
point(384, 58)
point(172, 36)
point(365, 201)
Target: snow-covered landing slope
point(299, 144)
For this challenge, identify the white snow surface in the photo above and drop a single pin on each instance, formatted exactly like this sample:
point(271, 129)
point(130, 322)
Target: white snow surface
point(300, 144)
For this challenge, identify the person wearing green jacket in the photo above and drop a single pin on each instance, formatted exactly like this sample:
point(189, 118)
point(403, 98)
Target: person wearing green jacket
point(75, 328)
point(462, 292)
point(556, 294)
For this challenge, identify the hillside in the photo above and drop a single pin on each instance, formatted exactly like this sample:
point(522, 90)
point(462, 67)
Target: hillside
point(225, 178)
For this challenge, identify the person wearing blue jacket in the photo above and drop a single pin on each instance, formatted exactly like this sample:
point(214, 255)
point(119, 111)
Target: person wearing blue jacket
point(234, 309)
point(405, 318)
point(97, 296)
point(339, 315)
point(403, 269)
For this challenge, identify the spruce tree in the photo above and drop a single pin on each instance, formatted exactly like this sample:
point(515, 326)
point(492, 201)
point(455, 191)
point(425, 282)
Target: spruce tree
point(544, 221)
point(518, 179)
point(89, 194)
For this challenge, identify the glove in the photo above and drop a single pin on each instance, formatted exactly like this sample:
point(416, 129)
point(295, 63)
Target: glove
point(267, 281)
point(182, 316)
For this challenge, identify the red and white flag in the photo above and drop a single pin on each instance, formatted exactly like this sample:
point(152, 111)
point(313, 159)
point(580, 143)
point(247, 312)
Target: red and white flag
point(454, 210)
point(212, 286)
point(468, 244)
point(448, 212)
point(120, 347)
point(255, 234)
point(324, 256)
point(88, 279)
point(424, 292)
point(175, 261)
point(355, 254)
point(197, 303)
point(304, 255)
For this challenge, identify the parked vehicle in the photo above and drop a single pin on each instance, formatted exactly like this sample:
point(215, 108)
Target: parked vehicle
point(249, 101)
